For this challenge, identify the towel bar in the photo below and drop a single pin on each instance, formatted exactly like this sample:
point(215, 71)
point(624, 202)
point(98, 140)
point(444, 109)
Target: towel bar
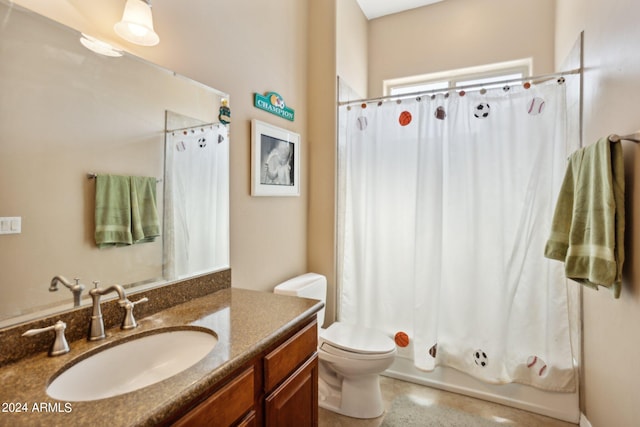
point(635, 137)
point(93, 176)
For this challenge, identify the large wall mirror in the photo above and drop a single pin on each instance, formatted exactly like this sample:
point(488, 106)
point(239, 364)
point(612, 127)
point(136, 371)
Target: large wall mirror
point(66, 113)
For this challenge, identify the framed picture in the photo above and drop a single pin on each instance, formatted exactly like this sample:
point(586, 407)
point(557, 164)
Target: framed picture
point(275, 161)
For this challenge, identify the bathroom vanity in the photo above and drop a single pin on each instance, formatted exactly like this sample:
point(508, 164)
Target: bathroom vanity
point(262, 371)
point(280, 388)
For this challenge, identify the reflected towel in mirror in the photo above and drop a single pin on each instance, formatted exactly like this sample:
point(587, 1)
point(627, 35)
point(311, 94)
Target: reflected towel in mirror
point(125, 211)
point(113, 211)
point(145, 225)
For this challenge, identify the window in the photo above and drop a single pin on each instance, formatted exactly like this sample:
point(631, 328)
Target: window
point(420, 87)
point(485, 75)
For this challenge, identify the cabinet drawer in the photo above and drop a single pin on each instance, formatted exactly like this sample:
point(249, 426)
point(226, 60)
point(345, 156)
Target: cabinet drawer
point(279, 363)
point(225, 406)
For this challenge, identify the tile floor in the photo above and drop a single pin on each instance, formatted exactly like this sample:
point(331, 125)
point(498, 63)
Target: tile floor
point(493, 411)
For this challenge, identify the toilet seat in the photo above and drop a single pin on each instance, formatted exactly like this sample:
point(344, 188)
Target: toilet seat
point(328, 349)
point(355, 342)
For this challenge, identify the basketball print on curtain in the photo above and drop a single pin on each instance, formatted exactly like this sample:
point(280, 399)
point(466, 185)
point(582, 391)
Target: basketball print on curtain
point(405, 118)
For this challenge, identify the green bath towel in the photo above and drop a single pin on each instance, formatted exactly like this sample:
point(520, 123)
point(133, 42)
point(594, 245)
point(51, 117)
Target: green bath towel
point(126, 211)
point(588, 224)
point(145, 225)
point(113, 211)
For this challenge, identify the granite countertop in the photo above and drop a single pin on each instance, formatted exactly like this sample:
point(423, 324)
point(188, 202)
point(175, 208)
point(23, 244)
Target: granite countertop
point(245, 322)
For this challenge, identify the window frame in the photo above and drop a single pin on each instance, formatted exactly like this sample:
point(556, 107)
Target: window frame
point(457, 77)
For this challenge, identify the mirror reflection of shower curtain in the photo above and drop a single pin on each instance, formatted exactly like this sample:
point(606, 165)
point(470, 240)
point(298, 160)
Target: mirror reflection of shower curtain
point(444, 208)
point(196, 213)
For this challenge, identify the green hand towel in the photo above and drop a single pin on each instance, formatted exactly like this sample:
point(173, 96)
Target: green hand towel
point(145, 225)
point(588, 224)
point(113, 211)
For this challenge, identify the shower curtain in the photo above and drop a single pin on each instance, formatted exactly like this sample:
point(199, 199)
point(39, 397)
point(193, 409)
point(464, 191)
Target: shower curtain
point(445, 204)
point(196, 188)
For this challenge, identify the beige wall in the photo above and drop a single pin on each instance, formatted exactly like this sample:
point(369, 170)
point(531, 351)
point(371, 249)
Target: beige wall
point(245, 47)
point(352, 30)
point(240, 48)
point(458, 34)
point(611, 347)
point(322, 140)
point(337, 46)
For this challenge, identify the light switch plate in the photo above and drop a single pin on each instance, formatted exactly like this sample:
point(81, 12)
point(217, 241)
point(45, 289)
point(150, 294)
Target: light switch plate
point(10, 225)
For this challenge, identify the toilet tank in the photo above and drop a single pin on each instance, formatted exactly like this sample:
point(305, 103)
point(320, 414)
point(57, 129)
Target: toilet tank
point(310, 285)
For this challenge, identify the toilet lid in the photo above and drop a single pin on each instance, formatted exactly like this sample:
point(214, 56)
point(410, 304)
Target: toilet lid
point(357, 339)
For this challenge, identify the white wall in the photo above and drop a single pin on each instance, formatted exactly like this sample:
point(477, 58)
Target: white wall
point(611, 343)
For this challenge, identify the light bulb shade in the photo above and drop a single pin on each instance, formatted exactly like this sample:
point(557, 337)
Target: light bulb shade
point(136, 25)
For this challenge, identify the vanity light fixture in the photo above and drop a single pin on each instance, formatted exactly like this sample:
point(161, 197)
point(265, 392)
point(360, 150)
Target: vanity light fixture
point(98, 46)
point(136, 25)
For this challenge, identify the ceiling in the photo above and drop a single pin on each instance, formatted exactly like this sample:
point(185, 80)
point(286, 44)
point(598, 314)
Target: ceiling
point(377, 8)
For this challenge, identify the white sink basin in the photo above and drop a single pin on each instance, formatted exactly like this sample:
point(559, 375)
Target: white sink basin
point(132, 365)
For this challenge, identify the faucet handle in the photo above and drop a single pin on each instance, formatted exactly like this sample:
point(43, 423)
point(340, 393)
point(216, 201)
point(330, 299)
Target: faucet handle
point(60, 345)
point(77, 292)
point(141, 301)
point(129, 322)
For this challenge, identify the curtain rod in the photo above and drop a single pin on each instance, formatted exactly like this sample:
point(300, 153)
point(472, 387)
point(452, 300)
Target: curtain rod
point(204, 125)
point(533, 79)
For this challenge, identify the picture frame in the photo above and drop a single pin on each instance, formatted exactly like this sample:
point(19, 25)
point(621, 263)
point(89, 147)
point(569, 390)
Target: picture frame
point(275, 161)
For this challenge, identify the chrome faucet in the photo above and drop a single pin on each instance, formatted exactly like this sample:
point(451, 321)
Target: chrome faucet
point(75, 289)
point(96, 326)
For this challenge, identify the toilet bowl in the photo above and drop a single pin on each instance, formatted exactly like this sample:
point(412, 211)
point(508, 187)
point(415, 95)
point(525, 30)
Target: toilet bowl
point(351, 357)
point(351, 360)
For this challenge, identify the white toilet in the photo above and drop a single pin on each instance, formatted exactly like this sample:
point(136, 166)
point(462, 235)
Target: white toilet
point(351, 356)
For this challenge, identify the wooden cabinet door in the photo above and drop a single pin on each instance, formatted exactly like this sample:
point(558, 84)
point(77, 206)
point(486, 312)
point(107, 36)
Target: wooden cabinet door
point(249, 420)
point(225, 406)
point(295, 402)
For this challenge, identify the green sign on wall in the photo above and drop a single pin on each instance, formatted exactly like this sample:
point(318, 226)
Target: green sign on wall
point(274, 104)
